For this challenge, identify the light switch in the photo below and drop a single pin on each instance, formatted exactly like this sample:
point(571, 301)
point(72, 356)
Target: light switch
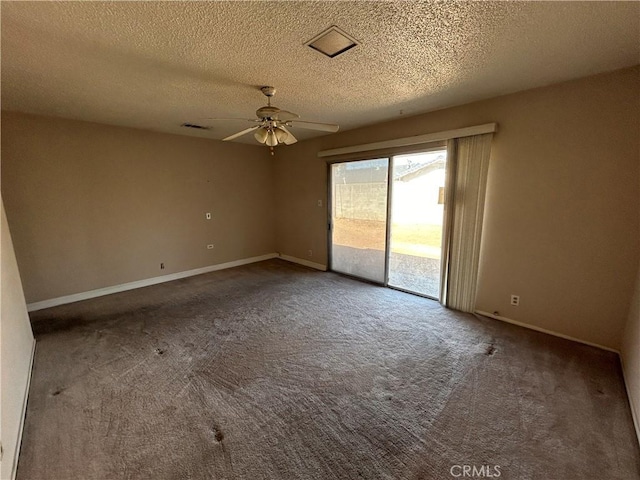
point(208, 215)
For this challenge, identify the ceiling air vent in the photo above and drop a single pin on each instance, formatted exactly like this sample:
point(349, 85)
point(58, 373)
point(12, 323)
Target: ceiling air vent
point(332, 42)
point(193, 125)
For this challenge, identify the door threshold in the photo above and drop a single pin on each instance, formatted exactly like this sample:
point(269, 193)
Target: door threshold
point(417, 294)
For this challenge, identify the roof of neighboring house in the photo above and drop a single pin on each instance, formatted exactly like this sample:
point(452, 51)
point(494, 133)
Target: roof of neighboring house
point(357, 172)
point(418, 169)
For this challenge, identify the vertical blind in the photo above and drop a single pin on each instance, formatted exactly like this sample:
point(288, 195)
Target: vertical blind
point(465, 187)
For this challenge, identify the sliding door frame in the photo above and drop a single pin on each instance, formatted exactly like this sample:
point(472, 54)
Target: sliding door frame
point(387, 247)
point(387, 242)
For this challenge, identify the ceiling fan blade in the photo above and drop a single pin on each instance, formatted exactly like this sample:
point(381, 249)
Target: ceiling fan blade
point(239, 134)
point(290, 140)
point(323, 127)
point(285, 116)
point(234, 119)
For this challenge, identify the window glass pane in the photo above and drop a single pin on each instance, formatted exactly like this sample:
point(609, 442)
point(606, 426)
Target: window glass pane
point(358, 218)
point(417, 207)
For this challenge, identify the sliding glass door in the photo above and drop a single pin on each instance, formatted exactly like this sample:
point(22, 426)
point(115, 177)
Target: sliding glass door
point(386, 220)
point(417, 208)
point(359, 218)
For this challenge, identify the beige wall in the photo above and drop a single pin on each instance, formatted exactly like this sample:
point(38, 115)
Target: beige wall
point(92, 206)
point(16, 345)
point(301, 180)
point(631, 354)
point(561, 223)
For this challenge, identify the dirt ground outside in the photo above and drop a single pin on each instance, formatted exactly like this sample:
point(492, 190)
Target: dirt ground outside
point(423, 240)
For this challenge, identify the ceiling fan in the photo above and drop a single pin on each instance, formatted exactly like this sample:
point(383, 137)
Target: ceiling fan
point(272, 125)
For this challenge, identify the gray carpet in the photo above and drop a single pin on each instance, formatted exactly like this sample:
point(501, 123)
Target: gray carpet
point(274, 371)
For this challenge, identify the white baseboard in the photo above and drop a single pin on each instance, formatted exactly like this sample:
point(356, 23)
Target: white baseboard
point(544, 330)
point(306, 263)
point(23, 415)
point(76, 297)
point(634, 413)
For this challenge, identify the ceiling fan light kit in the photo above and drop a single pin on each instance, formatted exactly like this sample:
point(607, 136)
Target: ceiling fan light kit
point(281, 135)
point(272, 140)
point(261, 135)
point(273, 123)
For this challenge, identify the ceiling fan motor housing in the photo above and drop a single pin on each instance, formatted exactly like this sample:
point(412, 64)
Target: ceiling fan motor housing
point(267, 112)
point(268, 91)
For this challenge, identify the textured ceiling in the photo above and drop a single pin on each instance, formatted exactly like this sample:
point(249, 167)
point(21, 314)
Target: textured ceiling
point(155, 65)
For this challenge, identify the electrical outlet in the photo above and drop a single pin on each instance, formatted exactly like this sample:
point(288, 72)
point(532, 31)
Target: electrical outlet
point(210, 246)
point(310, 253)
point(515, 300)
point(319, 203)
point(162, 266)
point(208, 216)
